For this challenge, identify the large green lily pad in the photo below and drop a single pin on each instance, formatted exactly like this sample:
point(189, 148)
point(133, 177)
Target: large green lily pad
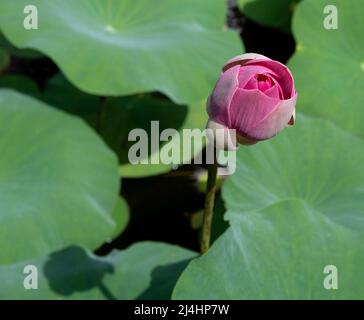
point(122, 47)
point(146, 270)
point(314, 161)
point(329, 64)
point(116, 117)
point(295, 204)
point(279, 252)
point(58, 181)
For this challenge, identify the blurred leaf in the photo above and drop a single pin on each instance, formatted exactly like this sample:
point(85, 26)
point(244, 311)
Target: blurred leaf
point(116, 117)
point(61, 94)
point(19, 83)
point(122, 47)
point(22, 54)
point(4, 59)
point(58, 181)
point(329, 64)
point(295, 204)
point(276, 13)
point(146, 270)
point(121, 217)
point(127, 114)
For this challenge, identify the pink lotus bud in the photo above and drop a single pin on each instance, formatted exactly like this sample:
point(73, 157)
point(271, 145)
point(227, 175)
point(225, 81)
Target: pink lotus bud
point(255, 96)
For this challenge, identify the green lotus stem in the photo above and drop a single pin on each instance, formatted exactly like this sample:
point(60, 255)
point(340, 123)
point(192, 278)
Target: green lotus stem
point(209, 204)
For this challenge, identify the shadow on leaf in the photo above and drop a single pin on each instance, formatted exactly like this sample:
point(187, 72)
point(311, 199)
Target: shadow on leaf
point(163, 281)
point(73, 270)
